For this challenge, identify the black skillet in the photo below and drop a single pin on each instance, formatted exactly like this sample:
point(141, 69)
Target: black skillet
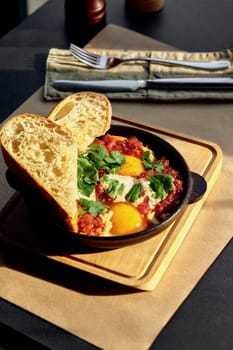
point(193, 183)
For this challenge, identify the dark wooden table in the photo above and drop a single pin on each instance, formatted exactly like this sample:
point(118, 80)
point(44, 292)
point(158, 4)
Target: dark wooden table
point(204, 321)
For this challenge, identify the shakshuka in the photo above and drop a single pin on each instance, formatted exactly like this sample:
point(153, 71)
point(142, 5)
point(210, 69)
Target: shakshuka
point(123, 187)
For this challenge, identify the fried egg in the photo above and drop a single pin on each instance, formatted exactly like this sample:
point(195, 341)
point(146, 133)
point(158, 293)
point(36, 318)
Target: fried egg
point(133, 167)
point(126, 219)
point(128, 182)
point(126, 190)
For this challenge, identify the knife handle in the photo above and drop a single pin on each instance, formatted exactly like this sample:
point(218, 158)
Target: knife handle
point(206, 65)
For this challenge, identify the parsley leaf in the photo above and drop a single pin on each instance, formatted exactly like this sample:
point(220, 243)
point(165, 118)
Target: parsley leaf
point(159, 166)
point(134, 192)
point(114, 187)
point(95, 208)
point(87, 175)
point(161, 184)
point(97, 154)
point(149, 164)
point(102, 160)
point(146, 160)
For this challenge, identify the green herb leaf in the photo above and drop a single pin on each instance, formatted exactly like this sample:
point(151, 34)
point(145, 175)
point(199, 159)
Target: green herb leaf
point(98, 154)
point(134, 193)
point(149, 164)
point(114, 187)
point(87, 175)
point(161, 184)
point(85, 188)
point(159, 166)
point(95, 208)
point(115, 158)
point(102, 160)
point(146, 160)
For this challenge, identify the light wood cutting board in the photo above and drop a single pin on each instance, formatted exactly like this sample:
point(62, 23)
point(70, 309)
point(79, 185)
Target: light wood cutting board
point(140, 265)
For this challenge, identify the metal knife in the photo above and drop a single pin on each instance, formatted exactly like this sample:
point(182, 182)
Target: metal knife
point(121, 85)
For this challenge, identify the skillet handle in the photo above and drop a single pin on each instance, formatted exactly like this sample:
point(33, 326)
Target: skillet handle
point(198, 187)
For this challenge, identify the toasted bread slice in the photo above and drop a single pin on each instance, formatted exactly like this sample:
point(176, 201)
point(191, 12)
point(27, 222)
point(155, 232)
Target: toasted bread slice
point(86, 114)
point(43, 156)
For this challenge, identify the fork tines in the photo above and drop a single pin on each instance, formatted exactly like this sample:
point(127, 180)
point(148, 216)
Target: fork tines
point(83, 55)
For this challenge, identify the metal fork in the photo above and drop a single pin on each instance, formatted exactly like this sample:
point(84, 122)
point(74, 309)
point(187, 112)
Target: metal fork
point(105, 62)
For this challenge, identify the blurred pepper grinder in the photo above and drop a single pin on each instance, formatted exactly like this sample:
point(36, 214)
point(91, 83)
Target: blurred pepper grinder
point(84, 19)
point(144, 6)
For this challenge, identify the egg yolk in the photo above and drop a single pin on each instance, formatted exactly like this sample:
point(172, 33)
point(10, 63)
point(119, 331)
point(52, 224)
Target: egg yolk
point(126, 219)
point(132, 167)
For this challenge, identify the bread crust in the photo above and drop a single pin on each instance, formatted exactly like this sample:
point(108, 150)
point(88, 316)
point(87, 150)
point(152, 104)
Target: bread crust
point(87, 114)
point(13, 138)
point(79, 118)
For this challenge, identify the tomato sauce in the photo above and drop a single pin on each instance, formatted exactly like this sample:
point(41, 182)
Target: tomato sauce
point(89, 225)
point(130, 146)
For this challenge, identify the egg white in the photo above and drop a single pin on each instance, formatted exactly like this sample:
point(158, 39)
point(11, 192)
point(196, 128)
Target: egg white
point(128, 182)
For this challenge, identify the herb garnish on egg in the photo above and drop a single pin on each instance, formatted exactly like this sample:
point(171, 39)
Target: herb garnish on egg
point(104, 160)
point(114, 186)
point(150, 164)
point(89, 164)
point(161, 184)
point(134, 193)
point(123, 188)
point(93, 207)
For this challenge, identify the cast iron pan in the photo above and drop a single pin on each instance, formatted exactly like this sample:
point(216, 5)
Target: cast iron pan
point(194, 188)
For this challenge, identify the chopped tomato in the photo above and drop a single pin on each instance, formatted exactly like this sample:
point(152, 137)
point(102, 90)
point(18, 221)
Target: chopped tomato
point(89, 225)
point(128, 146)
point(144, 207)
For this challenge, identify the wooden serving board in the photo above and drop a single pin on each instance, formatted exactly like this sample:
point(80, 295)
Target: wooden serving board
point(141, 265)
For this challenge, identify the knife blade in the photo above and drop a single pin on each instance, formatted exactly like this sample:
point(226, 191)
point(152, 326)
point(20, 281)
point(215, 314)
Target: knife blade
point(122, 85)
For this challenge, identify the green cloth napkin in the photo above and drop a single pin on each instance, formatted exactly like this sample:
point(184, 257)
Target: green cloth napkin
point(61, 64)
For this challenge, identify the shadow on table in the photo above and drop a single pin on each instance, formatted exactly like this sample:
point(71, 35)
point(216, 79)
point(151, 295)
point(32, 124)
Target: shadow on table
point(28, 247)
point(58, 273)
